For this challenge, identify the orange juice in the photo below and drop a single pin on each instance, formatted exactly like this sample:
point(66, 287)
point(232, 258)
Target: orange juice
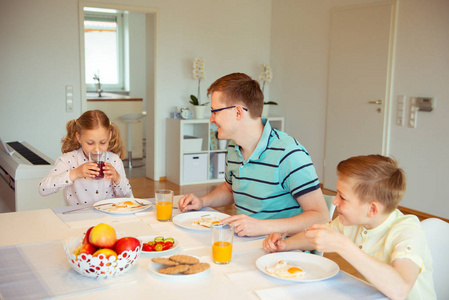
point(164, 210)
point(222, 252)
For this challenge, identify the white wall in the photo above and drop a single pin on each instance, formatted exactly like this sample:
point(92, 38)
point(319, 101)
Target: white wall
point(40, 55)
point(299, 58)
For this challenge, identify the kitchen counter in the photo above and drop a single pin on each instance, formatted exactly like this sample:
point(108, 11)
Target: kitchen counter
point(110, 97)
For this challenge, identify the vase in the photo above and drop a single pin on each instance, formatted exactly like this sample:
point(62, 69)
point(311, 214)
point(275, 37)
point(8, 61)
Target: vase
point(266, 110)
point(222, 144)
point(199, 111)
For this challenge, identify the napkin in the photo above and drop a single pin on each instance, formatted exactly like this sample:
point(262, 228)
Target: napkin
point(340, 287)
point(41, 270)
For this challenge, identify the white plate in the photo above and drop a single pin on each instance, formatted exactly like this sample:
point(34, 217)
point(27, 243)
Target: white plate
point(155, 267)
point(146, 239)
point(123, 211)
point(185, 220)
point(315, 267)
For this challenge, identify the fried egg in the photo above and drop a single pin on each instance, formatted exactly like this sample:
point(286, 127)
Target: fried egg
point(122, 206)
point(206, 221)
point(285, 270)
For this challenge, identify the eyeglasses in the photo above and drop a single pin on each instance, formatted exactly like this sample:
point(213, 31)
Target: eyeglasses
point(213, 111)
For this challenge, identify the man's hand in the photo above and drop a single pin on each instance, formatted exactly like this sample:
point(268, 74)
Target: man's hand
point(190, 202)
point(244, 225)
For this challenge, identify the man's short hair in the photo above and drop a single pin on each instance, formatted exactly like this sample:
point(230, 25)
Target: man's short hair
point(239, 88)
point(378, 178)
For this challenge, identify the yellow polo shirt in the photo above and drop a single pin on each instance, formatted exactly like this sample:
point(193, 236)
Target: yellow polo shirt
point(399, 236)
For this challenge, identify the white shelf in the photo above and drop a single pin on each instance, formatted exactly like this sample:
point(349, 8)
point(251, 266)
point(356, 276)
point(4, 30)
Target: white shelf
point(200, 128)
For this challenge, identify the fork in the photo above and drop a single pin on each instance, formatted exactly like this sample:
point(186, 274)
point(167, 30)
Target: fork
point(140, 203)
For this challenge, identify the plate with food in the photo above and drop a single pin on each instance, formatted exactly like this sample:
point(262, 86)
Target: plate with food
point(297, 266)
point(179, 267)
point(157, 245)
point(122, 206)
point(199, 220)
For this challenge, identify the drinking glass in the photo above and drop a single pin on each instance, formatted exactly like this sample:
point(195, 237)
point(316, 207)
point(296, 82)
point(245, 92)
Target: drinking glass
point(98, 157)
point(222, 236)
point(164, 205)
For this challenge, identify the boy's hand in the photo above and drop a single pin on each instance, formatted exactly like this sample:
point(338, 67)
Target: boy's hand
point(88, 170)
point(274, 243)
point(323, 238)
point(111, 173)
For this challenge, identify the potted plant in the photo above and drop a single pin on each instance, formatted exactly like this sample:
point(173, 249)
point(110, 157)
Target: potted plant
point(266, 76)
point(198, 73)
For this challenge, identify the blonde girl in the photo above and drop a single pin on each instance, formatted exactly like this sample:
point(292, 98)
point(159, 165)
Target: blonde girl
point(75, 174)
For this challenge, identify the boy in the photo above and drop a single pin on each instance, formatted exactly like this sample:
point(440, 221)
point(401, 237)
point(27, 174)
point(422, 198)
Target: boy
point(388, 248)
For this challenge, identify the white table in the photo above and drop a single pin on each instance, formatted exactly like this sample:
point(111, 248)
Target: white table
point(32, 239)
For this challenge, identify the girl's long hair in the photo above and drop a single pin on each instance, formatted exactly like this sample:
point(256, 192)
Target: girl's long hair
point(90, 120)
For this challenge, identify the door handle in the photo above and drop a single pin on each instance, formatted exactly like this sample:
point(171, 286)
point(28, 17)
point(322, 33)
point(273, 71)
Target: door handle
point(375, 101)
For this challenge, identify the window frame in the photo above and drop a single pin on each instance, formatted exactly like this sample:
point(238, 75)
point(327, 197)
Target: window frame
point(120, 86)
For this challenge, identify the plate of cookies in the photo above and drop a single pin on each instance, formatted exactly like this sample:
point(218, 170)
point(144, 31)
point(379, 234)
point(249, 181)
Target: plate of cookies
point(179, 267)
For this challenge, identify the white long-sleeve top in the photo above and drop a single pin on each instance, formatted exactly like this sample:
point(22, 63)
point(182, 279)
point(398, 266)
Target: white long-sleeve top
point(84, 190)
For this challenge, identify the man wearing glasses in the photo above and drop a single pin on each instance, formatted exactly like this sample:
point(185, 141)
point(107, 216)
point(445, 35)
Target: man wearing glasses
point(269, 176)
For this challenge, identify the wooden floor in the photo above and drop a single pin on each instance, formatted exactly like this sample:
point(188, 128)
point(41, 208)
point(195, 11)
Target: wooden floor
point(144, 188)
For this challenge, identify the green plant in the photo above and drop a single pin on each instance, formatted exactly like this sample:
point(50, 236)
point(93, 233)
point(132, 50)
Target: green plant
point(194, 101)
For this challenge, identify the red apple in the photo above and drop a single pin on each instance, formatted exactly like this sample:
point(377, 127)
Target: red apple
point(106, 252)
point(126, 244)
point(102, 236)
point(85, 248)
point(86, 236)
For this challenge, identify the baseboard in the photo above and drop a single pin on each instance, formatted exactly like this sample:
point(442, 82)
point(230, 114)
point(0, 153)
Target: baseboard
point(162, 178)
point(419, 214)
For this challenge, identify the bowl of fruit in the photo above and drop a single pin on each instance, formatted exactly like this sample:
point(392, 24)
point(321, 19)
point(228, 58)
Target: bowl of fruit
point(99, 253)
point(158, 245)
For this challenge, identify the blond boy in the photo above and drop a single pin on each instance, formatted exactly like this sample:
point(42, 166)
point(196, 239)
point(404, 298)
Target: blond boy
point(388, 248)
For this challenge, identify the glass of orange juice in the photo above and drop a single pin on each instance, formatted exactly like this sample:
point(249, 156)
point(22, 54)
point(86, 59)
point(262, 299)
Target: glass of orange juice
point(222, 237)
point(164, 205)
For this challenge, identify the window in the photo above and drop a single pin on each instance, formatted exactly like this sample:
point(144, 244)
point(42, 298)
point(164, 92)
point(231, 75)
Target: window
point(104, 51)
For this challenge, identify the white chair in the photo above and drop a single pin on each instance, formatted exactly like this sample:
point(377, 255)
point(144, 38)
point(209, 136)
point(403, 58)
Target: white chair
point(437, 233)
point(130, 119)
point(331, 208)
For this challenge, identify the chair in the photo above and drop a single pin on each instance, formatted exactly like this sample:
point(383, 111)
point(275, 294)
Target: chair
point(130, 119)
point(437, 233)
point(331, 208)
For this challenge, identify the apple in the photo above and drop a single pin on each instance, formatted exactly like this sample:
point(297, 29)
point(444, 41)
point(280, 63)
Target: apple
point(106, 252)
point(85, 248)
point(86, 236)
point(126, 244)
point(102, 236)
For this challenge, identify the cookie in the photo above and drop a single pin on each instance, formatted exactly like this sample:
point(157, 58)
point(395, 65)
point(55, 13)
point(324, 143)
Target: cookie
point(174, 270)
point(164, 261)
point(184, 259)
point(197, 268)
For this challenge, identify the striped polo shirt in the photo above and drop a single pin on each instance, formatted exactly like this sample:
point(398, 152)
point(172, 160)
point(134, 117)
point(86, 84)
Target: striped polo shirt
point(266, 185)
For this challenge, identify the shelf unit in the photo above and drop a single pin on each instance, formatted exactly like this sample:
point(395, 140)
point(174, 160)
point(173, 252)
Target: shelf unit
point(181, 154)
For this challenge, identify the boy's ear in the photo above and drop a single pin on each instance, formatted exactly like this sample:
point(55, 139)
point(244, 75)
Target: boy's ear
point(374, 209)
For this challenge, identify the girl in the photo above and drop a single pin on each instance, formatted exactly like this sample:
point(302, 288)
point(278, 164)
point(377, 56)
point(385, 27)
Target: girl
point(75, 174)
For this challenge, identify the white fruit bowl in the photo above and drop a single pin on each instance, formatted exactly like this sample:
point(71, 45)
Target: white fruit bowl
point(100, 266)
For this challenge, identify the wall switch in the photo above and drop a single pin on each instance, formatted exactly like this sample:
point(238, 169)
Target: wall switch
point(400, 112)
point(413, 116)
point(69, 98)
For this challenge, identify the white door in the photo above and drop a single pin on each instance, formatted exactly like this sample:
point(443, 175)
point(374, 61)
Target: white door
point(359, 77)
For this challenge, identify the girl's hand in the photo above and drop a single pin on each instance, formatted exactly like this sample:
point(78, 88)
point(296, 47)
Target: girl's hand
point(111, 173)
point(88, 170)
point(274, 243)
